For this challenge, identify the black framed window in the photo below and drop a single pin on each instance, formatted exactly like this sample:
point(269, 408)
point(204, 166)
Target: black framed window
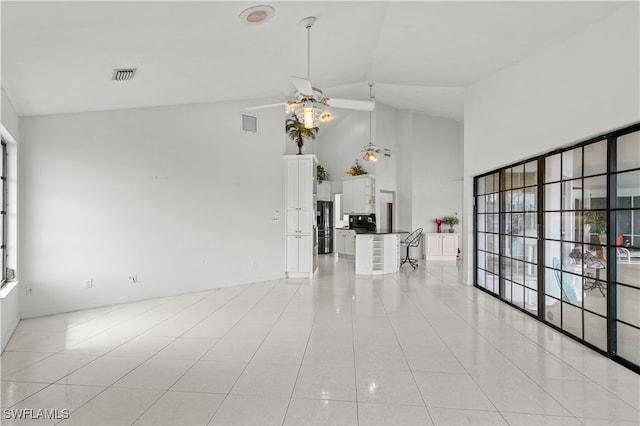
point(3, 211)
point(558, 236)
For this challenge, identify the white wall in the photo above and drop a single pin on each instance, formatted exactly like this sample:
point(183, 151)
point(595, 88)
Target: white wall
point(339, 144)
point(585, 86)
point(178, 195)
point(437, 171)
point(10, 294)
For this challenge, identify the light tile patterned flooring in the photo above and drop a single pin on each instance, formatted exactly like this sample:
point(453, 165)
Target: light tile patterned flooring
point(416, 347)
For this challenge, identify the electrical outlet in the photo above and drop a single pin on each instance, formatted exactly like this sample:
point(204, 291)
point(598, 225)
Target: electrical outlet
point(88, 283)
point(133, 278)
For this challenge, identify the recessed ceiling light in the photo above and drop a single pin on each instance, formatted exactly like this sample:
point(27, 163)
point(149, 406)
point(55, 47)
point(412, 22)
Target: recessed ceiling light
point(256, 15)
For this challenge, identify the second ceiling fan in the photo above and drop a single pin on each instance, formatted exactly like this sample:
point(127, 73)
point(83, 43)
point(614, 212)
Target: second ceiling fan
point(309, 103)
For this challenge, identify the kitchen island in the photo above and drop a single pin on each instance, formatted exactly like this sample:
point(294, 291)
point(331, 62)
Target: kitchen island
point(377, 252)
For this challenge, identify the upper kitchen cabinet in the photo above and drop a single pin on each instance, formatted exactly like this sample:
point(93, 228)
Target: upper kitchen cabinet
point(359, 195)
point(300, 182)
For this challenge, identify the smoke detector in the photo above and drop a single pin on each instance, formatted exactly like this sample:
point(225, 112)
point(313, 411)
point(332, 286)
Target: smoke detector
point(256, 15)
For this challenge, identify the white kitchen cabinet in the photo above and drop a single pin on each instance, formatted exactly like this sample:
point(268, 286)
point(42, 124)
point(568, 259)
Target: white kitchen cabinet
point(301, 241)
point(299, 253)
point(442, 246)
point(345, 242)
point(299, 221)
point(359, 195)
point(377, 254)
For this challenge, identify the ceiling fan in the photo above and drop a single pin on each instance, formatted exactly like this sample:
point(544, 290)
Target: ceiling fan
point(309, 103)
point(370, 150)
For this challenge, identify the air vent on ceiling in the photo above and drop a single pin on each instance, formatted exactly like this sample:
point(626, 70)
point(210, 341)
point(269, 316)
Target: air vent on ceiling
point(249, 123)
point(124, 74)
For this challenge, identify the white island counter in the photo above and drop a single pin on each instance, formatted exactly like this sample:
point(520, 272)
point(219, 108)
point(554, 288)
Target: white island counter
point(378, 252)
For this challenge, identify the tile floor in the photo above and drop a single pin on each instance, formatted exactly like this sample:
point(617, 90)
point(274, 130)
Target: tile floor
point(416, 347)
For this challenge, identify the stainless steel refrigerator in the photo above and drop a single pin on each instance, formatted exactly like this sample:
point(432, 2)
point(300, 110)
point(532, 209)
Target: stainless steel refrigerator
point(324, 216)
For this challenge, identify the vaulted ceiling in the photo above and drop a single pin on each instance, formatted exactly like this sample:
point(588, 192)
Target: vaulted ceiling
point(59, 57)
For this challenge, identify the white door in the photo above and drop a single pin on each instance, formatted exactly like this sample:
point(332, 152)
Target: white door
point(350, 243)
point(434, 245)
point(450, 245)
point(359, 196)
point(292, 184)
point(292, 221)
point(305, 248)
point(292, 253)
point(305, 184)
point(347, 197)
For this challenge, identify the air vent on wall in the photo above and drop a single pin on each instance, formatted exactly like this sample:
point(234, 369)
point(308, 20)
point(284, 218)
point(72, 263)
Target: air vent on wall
point(249, 123)
point(124, 74)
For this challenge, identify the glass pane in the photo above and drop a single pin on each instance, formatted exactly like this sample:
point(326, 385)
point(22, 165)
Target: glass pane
point(552, 280)
point(595, 293)
point(517, 296)
point(628, 302)
point(572, 319)
point(492, 283)
point(517, 271)
point(507, 291)
point(628, 268)
point(480, 276)
point(531, 199)
point(531, 300)
point(517, 223)
point(571, 226)
point(506, 179)
point(595, 330)
point(552, 225)
point(531, 225)
point(481, 223)
point(595, 158)
point(551, 252)
point(628, 187)
point(552, 196)
point(492, 203)
point(480, 245)
point(517, 176)
point(629, 343)
point(480, 202)
point(552, 168)
point(553, 312)
point(531, 173)
point(482, 260)
point(595, 193)
point(481, 186)
point(507, 201)
point(572, 195)
point(493, 224)
point(517, 200)
point(595, 226)
point(628, 151)
point(491, 183)
point(531, 275)
point(530, 250)
point(572, 163)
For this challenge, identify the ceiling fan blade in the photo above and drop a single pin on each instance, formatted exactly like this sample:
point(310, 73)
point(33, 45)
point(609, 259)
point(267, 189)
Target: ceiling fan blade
point(351, 104)
point(266, 106)
point(303, 86)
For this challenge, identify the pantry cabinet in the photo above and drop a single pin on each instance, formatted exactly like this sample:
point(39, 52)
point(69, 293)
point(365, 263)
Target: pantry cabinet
point(301, 230)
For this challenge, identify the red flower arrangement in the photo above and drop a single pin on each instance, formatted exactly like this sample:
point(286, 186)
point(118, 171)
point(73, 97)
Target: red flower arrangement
point(439, 222)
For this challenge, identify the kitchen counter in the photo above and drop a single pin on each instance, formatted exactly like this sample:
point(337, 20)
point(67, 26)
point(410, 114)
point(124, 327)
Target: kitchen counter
point(377, 252)
point(378, 232)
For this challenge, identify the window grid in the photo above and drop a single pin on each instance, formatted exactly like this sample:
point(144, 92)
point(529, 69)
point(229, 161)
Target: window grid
point(574, 223)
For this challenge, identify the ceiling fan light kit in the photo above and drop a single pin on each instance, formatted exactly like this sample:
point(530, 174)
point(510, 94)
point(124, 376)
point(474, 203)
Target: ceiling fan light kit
point(310, 104)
